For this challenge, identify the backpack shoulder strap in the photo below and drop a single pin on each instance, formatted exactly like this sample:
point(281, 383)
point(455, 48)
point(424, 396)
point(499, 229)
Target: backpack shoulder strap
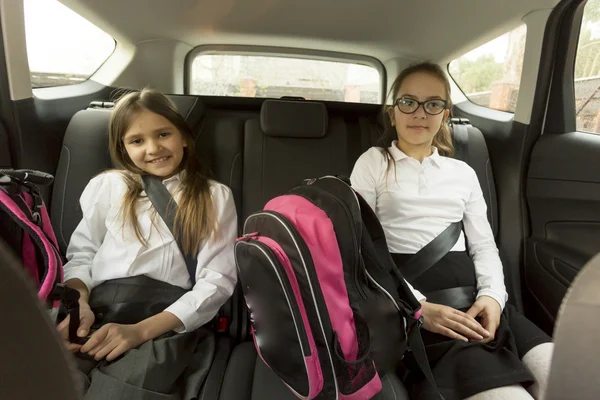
point(374, 241)
point(166, 207)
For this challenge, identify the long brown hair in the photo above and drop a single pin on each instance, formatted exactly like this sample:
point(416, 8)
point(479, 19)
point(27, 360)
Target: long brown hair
point(195, 219)
point(443, 139)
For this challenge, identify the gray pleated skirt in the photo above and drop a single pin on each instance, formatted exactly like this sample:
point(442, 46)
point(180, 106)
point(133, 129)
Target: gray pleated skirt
point(172, 366)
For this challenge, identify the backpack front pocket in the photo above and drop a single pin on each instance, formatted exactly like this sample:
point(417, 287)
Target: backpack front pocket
point(281, 329)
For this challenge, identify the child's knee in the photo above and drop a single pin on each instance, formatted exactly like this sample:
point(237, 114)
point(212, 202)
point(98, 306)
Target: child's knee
point(514, 392)
point(539, 357)
point(538, 361)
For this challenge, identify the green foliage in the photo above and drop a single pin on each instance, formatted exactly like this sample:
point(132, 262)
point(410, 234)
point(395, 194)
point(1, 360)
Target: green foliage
point(476, 75)
point(588, 51)
point(592, 11)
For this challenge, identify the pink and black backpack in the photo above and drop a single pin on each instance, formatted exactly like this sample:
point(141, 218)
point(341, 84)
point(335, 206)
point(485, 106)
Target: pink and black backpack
point(25, 226)
point(330, 312)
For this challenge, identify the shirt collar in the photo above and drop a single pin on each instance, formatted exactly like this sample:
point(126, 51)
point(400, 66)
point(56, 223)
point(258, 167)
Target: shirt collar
point(398, 154)
point(175, 178)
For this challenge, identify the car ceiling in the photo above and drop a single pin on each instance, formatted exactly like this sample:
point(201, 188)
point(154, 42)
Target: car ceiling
point(385, 29)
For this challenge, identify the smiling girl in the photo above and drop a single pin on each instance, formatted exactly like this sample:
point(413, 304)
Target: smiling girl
point(147, 334)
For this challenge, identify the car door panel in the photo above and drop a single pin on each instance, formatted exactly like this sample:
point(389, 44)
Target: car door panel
point(563, 196)
point(5, 159)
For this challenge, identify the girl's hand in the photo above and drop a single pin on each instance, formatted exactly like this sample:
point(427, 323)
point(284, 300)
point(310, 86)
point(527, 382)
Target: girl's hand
point(452, 323)
point(489, 310)
point(112, 340)
point(86, 320)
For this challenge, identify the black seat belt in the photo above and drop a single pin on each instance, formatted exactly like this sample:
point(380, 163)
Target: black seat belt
point(166, 207)
point(433, 252)
point(461, 141)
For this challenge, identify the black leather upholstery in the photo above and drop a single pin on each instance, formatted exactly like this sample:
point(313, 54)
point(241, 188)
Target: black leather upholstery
point(275, 164)
point(248, 378)
point(293, 119)
point(84, 155)
point(220, 146)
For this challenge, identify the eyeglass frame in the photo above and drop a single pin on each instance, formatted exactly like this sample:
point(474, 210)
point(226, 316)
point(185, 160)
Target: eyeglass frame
point(419, 104)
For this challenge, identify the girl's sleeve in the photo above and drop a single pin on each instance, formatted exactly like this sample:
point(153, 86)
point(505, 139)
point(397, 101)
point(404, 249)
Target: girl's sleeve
point(89, 234)
point(482, 246)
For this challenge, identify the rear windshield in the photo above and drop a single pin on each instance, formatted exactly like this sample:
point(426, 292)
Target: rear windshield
point(275, 77)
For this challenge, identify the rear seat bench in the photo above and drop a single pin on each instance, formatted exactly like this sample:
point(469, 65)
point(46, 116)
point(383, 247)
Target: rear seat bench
point(260, 150)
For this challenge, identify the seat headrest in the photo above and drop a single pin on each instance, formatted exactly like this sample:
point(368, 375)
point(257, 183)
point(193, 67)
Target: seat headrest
point(190, 107)
point(293, 119)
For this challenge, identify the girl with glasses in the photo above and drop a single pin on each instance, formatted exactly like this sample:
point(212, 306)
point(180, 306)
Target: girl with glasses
point(478, 346)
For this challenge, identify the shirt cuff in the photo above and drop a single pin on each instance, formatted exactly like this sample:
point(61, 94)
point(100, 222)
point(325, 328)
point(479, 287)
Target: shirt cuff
point(190, 316)
point(420, 297)
point(500, 298)
point(83, 274)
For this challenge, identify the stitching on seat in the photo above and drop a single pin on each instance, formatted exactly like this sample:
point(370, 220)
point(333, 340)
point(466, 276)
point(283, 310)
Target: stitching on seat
point(392, 386)
point(191, 108)
point(62, 208)
point(487, 163)
point(202, 392)
point(232, 168)
point(199, 131)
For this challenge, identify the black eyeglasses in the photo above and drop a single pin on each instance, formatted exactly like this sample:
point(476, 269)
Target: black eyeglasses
point(432, 107)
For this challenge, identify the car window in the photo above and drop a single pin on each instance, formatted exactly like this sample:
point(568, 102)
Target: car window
point(587, 70)
point(490, 75)
point(63, 48)
point(277, 76)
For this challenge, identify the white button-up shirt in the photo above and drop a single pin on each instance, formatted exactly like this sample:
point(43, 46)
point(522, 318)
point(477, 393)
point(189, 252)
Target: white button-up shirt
point(417, 201)
point(102, 248)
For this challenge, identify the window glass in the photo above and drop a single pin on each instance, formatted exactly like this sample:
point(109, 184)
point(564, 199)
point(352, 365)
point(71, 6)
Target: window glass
point(490, 75)
point(273, 76)
point(63, 48)
point(587, 70)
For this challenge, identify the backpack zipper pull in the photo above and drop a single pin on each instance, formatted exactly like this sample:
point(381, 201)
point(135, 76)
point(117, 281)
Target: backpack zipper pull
point(248, 236)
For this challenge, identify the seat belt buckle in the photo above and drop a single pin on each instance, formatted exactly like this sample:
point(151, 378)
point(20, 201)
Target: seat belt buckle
point(222, 324)
point(414, 321)
point(419, 316)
